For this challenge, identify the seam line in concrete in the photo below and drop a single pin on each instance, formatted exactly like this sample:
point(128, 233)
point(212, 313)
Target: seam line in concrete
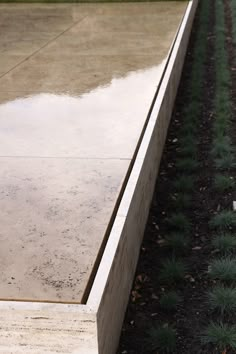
point(45, 45)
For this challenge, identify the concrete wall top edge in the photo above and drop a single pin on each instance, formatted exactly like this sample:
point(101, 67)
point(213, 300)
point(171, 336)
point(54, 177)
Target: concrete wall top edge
point(102, 275)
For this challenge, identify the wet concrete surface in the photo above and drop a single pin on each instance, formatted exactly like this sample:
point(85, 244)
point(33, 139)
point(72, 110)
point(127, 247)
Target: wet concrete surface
point(76, 85)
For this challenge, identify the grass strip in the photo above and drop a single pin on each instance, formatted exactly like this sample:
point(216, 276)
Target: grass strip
point(222, 150)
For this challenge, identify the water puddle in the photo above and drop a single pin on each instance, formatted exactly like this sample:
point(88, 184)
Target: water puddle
point(105, 122)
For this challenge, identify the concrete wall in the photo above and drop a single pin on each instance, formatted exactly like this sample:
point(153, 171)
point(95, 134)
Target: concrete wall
point(113, 282)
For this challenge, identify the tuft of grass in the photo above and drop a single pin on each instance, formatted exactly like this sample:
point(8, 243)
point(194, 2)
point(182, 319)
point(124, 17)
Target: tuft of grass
point(223, 269)
point(190, 112)
point(221, 147)
point(188, 150)
point(221, 335)
point(181, 201)
point(225, 243)
point(179, 222)
point(223, 183)
point(220, 128)
point(222, 299)
point(162, 338)
point(169, 301)
point(172, 271)
point(226, 219)
point(225, 162)
point(187, 165)
point(184, 183)
point(222, 140)
point(177, 242)
point(188, 127)
point(188, 140)
point(223, 104)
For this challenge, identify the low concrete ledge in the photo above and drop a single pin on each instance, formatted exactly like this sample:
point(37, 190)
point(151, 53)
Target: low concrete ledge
point(94, 328)
point(111, 288)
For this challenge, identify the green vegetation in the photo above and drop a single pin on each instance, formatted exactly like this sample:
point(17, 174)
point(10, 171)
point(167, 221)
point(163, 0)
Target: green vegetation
point(233, 9)
point(189, 150)
point(172, 271)
point(222, 147)
point(177, 242)
point(223, 269)
point(169, 301)
point(222, 299)
point(186, 164)
point(162, 338)
point(179, 222)
point(222, 100)
point(188, 141)
point(221, 335)
point(188, 128)
point(181, 201)
point(225, 243)
point(223, 183)
point(220, 129)
point(224, 220)
point(184, 183)
point(222, 150)
point(225, 162)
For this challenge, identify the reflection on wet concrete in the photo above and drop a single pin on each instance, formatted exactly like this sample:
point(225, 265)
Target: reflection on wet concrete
point(76, 84)
point(105, 123)
point(75, 48)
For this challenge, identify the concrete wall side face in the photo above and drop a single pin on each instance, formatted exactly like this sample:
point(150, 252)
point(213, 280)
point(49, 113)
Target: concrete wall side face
point(113, 305)
point(28, 331)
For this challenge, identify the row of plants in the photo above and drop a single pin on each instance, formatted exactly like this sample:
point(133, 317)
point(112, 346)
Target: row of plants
point(191, 279)
point(233, 8)
point(222, 268)
point(174, 270)
point(221, 298)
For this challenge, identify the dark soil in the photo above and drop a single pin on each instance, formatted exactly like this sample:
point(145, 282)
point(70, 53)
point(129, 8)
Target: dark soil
point(192, 315)
point(232, 65)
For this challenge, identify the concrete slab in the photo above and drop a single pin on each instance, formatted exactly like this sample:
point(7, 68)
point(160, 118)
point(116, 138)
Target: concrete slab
point(94, 327)
point(76, 88)
point(54, 215)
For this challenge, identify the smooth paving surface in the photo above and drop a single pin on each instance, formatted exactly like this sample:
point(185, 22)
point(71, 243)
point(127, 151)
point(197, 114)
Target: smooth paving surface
point(76, 85)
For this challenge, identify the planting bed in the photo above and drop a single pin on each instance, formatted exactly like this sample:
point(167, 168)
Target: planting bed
point(183, 298)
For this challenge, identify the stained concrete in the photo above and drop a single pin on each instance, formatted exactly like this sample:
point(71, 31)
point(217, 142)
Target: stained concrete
point(76, 85)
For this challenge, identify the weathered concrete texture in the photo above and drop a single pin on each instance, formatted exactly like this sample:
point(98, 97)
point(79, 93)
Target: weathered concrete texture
point(54, 214)
point(76, 85)
point(74, 48)
point(94, 328)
